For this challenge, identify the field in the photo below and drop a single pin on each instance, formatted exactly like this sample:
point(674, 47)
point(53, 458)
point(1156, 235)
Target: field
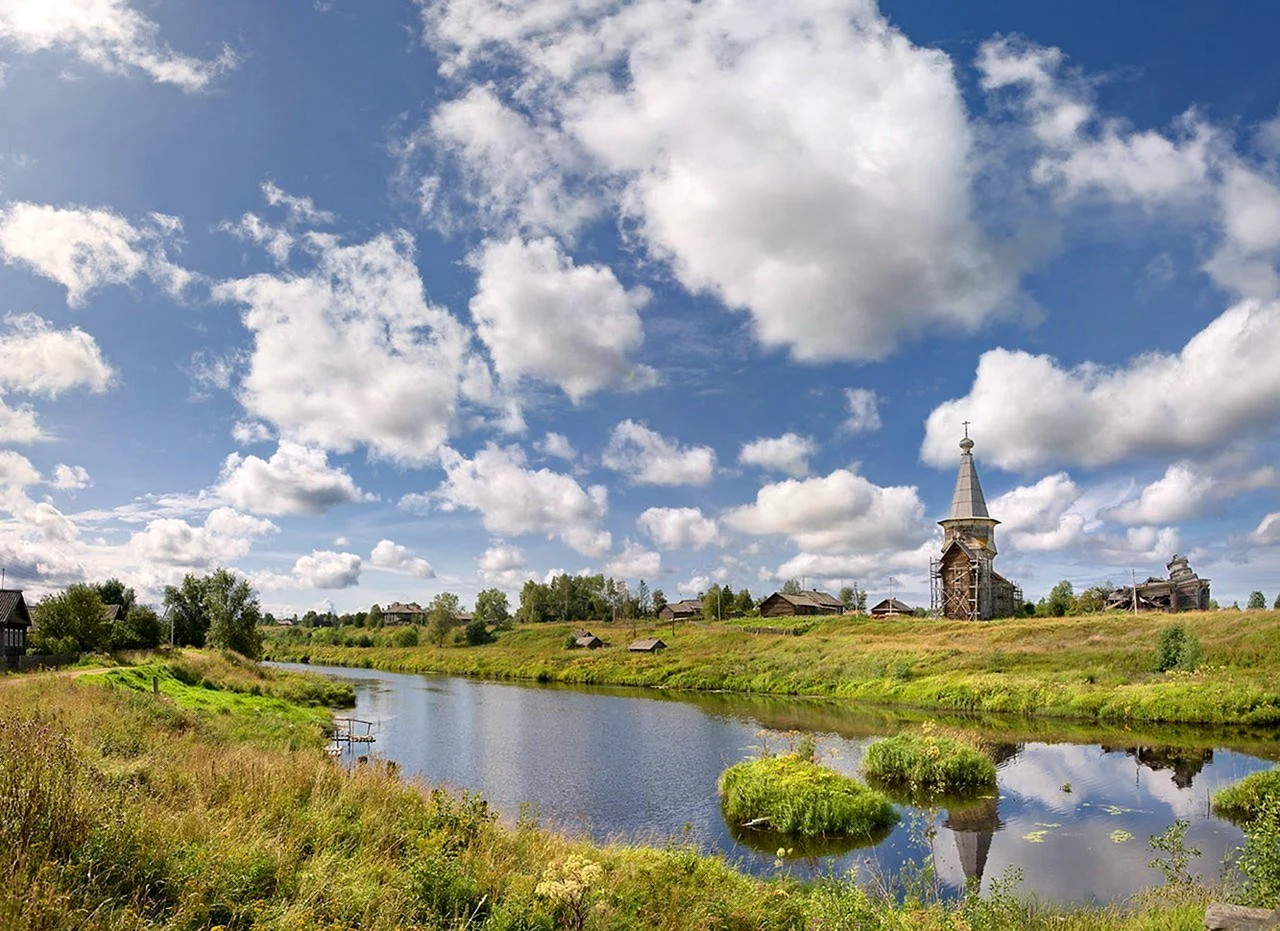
point(1095, 668)
point(124, 809)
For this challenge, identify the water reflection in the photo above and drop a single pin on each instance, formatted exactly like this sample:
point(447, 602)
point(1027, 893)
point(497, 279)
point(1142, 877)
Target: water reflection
point(1073, 809)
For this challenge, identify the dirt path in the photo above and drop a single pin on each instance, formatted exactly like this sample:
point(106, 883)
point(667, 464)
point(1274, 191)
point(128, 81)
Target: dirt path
point(14, 679)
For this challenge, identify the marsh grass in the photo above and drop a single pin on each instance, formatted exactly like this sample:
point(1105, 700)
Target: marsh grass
point(1243, 801)
point(930, 760)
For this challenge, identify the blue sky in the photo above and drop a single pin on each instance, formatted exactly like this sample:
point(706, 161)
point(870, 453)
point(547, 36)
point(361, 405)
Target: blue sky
point(373, 300)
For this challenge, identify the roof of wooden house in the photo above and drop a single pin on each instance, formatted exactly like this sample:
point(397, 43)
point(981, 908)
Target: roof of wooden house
point(689, 605)
point(811, 598)
point(588, 641)
point(398, 607)
point(580, 633)
point(113, 612)
point(892, 606)
point(13, 608)
point(647, 646)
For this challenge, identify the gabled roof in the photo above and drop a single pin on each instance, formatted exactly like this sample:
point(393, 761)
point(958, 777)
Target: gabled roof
point(688, 604)
point(113, 612)
point(397, 607)
point(894, 605)
point(811, 598)
point(13, 608)
point(647, 646)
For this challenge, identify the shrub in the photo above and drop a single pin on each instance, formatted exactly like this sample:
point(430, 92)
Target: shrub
point(1178, 649)
point(930, 762)
point(1259, 859)
point(477, 633)
point(1242, 802)
point(792, 795)
point(406, 638)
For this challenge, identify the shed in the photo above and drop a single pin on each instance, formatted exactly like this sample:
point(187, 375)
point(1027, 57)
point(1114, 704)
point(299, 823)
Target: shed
point(788, 604)
point(685, 610)
point(891, 607)
point(579, 633)
point(647, 646)
point(113, 612)
point(15, 622)
point(589, 642)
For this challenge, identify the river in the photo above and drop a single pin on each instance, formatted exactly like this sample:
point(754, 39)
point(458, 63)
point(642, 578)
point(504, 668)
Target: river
point(1073, 813)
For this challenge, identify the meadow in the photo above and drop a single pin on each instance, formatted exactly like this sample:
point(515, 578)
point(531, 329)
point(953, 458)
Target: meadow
point(124, 808)
point(1093, 668)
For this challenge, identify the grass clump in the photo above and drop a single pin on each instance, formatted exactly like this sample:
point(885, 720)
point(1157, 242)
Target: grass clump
point(1243, 801)
point(792, 794)
point(930, 761)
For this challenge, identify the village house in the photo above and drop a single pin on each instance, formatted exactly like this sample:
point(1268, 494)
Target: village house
point(647, 646)
point(891, 607)
point(785, 604)
point(400, 613)
point(588, 641)
point(964, 584)
point(686, 610)
point(1183, 590)
point(15, 624)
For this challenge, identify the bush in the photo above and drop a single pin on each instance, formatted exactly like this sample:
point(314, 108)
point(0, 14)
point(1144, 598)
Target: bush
point(792, 795)
point(930, 762)
point(1178, 649)
point(1259, 859)
point(406, 638)
point(477, 633)
point(1242, 802)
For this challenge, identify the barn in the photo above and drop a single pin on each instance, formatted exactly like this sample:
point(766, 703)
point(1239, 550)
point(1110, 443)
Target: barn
point(788, 604)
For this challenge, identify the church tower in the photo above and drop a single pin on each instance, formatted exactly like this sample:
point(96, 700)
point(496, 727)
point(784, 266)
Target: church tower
point(968, 518)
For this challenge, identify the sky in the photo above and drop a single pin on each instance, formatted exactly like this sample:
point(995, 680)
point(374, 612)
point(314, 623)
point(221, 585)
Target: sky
point(370, 301)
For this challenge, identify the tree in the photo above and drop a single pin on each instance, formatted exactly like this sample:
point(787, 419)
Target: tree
point(140, 629)
point(73, 621)
point(644, 601)
point(1093, 600)
point(477, 633)
point(188, 613)
point(535, 603)
point(114, 592)
point(442, 616)
point(234, 614)
point(847, 596)
point(374, 617)
point(1257, 601)
point(1276, 606)
point(716, 602)
point(744, 603)
point(660, 600)
point(492, 607)
point(1061, 600)
point(791, 587)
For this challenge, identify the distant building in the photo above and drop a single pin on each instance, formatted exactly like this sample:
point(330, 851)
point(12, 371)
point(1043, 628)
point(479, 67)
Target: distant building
point(964, 584)
point(647, 646)
point(113, 612)
point(400, 613)
point(15, 623)
point(1183, 590)
point(891, 607)
point(588, 642)
point(784, 604)
point(685, 610)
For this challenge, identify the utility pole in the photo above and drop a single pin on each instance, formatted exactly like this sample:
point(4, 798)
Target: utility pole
point(1135, 591)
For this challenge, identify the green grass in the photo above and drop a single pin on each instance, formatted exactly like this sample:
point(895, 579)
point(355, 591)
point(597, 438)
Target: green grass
point(1241, 802)
point(930, 761)
point(1096, 668)
point(789, 794)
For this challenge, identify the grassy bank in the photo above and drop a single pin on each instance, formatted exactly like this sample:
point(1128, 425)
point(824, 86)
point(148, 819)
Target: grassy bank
point(1243, 801)
point(121, 809)
point(1096, 668)
point(930, 761)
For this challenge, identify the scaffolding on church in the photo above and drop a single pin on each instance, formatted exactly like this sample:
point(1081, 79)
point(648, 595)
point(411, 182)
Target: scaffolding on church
point(971, 590)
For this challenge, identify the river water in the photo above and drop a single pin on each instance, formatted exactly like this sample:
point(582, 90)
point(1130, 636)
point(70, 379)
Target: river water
point(1072, 811)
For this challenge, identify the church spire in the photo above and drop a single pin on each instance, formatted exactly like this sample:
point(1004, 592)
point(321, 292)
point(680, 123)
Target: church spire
point(969, 519)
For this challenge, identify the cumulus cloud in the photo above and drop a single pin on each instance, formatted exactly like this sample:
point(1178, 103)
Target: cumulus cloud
point(544, 317)
point(634, 562)
point(1179, 494)
point(1268, 530)
point(16, 470)
point(37, 359)
point(558, 446)
point(804, 163)
point(108, 34)
point(788, 453)
point(296, 479)
point(19, 425)
point(864, 410)
point(249, 432)
point(513, 499)
point(299, 209)
point(84, 249)
point(503, 566)
point(276, 240)
point(391, 555)
point(70, 478)
point(225, 534)
point(835, 514)
point(1042, 516)
point(327, 569)
point(673, 528)
point(647, 457)
point(351, 352)
point(1028, 410)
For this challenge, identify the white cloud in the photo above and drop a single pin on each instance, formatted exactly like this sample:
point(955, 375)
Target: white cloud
point(108, 34)
point(295, 480)
point(84, 249)
point(634, 562)
point(557, 445)
point(352, 353)
point(672, 528)
point(848, 567)
point(391, 555)
point(836, 514)
point(1180, 494)
point(70, 478)
point(226, 534)
point(1137, 546)
point(788, 453)
point(1041, 517)
point(864, 410)
point(1029, 411)
point(249, 432)
point(37, 359)
point(802, 162)
point(277, 240)
point(18, 424)
point(647, 457)
point(513, 499)
point(299, 209)
point(503, 566)
point(544, 317)
point(1268, 530)
point(16, 470)
point(327, 569)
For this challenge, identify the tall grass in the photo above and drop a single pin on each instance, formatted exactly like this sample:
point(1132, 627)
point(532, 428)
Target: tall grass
point(930, 761)
point(1243, 801)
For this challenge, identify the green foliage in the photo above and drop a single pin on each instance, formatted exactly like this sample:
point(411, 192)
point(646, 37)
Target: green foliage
point(72, 621)
point(1257, 601)
point(1242, 801)
point(405, 637)
point(140, 629)
point(477, 633)
point(743, 603)
point(929, 761)
point(1276, 605)
point(791, 587)
point(1259, 859)
point(792, 795)
point(234, 614)
point(492, 608)
point(1061, 600)
point(373, 617)
point(188, 612)
point(660, 600)
point(1178, 649)
point(442, 616)
point(1178, 855)
point(1092, 600)
point(114, 592)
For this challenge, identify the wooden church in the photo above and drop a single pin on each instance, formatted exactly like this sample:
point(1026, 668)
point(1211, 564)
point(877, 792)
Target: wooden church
point(964, 584)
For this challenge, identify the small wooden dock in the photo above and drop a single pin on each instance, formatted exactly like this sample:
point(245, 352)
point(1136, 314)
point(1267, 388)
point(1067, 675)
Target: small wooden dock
point(348, 732)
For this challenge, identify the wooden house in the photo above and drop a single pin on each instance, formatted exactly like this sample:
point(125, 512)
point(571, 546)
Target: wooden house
point(686, 610)
point(1183, 590)
point(15, 623)
point(891, 607)
point(400, 613)
point(784, 604)
point(647, 646)
point(588, 642)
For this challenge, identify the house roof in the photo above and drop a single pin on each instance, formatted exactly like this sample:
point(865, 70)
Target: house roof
point(814, 598)
point(647, 644)
point(587, 640)
point(967, 502)
point(13, 608)
point(893, 604)
point(397, 607)
point(688, 604)
point(113, 612)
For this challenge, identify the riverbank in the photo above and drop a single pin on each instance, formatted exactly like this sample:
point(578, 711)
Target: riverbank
point(123, 808)
point(1095, 668)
